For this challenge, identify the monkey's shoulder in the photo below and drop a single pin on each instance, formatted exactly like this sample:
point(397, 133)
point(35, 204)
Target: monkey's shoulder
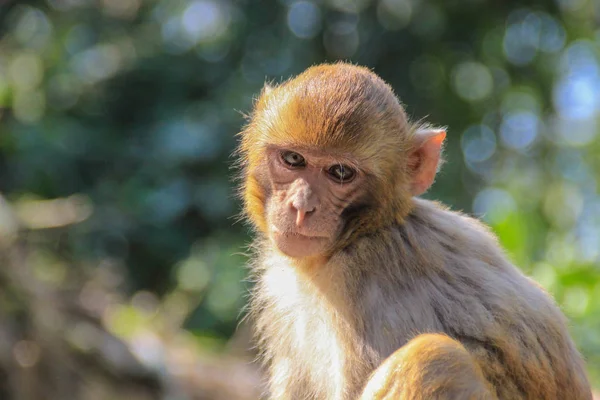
point(439, 217)
point(430, 238)
point(461, 245)
point(448, 257)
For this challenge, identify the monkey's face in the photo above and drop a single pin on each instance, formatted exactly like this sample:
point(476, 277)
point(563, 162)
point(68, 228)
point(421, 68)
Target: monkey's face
point(328, 157)
point(308, 195)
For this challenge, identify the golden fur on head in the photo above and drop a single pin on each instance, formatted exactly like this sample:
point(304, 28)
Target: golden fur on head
point(345, 109)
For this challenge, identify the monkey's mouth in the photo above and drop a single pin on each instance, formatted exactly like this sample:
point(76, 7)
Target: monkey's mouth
point(296, 235)
point(297, 245)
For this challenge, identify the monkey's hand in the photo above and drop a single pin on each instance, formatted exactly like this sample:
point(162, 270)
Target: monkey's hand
point(432, 367)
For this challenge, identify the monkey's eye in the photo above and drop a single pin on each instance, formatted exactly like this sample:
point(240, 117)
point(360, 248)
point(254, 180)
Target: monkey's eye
point(293, 159)
point(341, 173)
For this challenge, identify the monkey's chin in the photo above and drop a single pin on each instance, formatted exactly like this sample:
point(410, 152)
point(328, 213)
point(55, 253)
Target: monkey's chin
point(299, 246)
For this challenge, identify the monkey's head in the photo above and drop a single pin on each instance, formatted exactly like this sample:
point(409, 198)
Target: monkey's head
point(329, 156)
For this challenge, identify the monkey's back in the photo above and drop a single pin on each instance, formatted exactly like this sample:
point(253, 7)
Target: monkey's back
point(447, 274)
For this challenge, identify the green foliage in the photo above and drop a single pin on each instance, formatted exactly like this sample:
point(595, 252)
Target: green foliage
point(134, 105)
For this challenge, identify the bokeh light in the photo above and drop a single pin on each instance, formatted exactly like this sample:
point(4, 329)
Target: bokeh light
point(304, 19)
point(472, 81)
point(394, 14)
point(519, 130)
point(478, 143)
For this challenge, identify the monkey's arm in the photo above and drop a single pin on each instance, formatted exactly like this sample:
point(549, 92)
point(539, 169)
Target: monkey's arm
point(431, 366)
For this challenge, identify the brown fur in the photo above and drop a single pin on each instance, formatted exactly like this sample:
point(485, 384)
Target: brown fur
point(406, 271)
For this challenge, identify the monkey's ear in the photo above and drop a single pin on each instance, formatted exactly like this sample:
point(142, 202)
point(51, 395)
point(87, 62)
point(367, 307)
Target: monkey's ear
point(424, 158)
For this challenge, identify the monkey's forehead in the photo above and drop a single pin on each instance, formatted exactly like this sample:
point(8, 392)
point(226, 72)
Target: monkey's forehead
point(336, 121)
point(377, 157)
point(339, 109)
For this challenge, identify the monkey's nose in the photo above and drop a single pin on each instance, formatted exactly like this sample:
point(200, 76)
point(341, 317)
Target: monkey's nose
point(302, 211)
point(302, 214)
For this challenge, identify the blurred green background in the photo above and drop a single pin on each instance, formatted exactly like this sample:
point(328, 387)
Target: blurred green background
point(118, 118)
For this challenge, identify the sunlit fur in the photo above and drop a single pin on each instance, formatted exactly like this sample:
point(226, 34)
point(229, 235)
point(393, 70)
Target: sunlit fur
point(416, 371)
point(408, 267)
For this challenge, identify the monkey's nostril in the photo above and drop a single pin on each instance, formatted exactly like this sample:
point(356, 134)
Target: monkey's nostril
point(301, 214)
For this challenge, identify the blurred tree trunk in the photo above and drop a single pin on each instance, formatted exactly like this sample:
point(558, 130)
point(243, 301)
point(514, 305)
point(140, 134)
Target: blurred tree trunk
point(50, 348)
point(53, 345)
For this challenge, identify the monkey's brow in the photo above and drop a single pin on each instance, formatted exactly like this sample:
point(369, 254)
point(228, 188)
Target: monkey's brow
point(349, 163)
point(335, 158)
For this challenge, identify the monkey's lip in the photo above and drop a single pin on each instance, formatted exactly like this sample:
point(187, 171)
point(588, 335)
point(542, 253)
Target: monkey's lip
point(297, 235)
point(298, 245)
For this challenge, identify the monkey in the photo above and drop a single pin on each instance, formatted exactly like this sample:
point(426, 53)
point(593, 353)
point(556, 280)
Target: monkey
point(362, 288)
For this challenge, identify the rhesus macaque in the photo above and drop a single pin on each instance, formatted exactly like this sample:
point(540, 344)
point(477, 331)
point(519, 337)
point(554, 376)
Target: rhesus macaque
point(352, 268)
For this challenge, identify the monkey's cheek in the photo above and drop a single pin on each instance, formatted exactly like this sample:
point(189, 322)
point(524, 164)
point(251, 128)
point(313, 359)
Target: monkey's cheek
point(297, 246)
